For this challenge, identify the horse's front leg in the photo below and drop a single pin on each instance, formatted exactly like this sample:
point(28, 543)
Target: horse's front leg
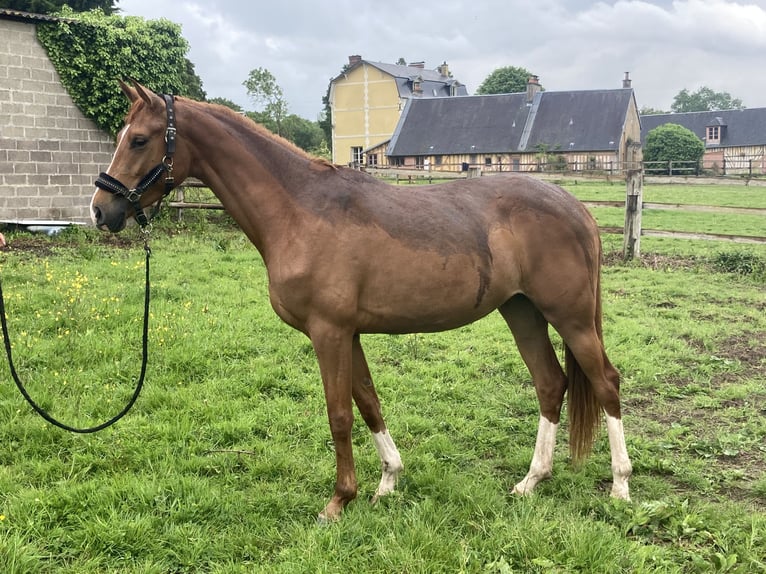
point(363, 391)
point(333, 347)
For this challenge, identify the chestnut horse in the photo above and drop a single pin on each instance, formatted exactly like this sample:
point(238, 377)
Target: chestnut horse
point(347, 254)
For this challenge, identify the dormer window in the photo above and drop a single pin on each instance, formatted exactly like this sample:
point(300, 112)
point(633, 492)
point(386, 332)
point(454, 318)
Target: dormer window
point(715, 131)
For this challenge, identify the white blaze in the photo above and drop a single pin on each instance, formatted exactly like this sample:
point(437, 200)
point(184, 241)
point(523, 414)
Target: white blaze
point(120, 137)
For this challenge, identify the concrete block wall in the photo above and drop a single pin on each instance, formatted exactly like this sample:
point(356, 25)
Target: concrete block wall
point(50, 153)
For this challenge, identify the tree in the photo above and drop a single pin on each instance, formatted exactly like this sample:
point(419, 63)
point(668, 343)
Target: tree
point(647, 111)
point(93, 51)
point(304, 133)
point(263, 89)
point(703, 100)
point(507, 80)
point(672, 143)
point(192, 82)
point(51, 6)
point(228, 103)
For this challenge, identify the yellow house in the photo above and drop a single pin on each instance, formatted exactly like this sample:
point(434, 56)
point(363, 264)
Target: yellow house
point(367, 99)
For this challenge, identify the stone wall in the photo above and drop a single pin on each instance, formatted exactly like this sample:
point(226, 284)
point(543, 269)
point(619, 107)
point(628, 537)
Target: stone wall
point(50, 154)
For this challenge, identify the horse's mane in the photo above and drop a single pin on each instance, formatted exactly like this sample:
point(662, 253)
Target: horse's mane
point(230, 116)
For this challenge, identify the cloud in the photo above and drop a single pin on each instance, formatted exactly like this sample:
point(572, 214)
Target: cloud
point(666, 45)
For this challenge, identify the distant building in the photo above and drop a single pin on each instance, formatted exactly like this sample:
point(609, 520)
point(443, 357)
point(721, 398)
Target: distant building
point(735, 140)
point(527, 131)
point(367, 99)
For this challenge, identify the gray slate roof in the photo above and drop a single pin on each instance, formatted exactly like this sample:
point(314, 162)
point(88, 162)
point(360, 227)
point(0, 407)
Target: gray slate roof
point(21, 16)
point(583, 120)
point(743, 127)
point(433, 83)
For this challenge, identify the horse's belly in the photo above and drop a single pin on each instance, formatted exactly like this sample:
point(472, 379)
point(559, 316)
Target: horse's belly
point(429, 296)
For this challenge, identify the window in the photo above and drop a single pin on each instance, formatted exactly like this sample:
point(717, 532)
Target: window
point(714, 134)
point(419, 162)
point(357, 157)
point(488, 161)
point(372, 159)
point(437, 160)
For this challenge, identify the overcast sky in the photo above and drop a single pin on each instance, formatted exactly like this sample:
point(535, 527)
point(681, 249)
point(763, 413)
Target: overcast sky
point(666, 45)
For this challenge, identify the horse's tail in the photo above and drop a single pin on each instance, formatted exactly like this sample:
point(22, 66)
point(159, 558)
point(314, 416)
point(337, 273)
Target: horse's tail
point(583, 408)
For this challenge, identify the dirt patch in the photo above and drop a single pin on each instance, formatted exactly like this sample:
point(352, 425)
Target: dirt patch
point(654, 261)
point(42, 246)
point(695, 421)
point(749, 349)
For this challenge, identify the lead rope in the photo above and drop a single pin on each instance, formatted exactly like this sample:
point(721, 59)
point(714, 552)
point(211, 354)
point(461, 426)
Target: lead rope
point(139, 385)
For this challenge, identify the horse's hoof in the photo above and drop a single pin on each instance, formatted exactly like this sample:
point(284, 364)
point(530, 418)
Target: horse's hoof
point(521, 491)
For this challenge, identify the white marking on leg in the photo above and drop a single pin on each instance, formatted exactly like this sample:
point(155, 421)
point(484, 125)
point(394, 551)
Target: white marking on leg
point(542, 461)
point(390, 462)
point(120, 137)
point(621, 467)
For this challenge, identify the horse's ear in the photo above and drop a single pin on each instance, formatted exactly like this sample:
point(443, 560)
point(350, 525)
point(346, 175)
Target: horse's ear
point(142, 92)
point(129, 92)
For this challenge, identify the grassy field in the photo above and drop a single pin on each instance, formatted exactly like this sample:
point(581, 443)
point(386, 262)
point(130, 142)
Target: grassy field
point(226, 459)
point(658, 219)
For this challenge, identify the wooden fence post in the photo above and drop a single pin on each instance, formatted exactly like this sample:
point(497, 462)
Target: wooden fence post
point(631, 237)
point(180, 198)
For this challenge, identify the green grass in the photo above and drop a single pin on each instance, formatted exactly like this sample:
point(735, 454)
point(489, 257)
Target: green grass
point(226, 459)
point(662, 220)
point(699, 194)
point(668, 220)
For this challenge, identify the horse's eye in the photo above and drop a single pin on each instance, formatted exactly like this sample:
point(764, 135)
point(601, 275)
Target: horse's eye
point(138, 142)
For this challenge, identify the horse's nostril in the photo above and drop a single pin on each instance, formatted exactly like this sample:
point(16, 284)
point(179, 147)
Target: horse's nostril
point(97, 215)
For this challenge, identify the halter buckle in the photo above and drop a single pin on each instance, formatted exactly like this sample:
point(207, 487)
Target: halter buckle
point(132, 195)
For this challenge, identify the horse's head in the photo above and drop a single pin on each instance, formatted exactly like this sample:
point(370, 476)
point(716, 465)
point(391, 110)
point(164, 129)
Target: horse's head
point(142, 162)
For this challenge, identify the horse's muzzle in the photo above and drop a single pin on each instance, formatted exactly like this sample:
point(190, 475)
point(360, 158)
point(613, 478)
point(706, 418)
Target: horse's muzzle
point(110, 217)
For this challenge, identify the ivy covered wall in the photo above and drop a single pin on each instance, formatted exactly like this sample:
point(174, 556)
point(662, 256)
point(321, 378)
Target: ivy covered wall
point(91, 51)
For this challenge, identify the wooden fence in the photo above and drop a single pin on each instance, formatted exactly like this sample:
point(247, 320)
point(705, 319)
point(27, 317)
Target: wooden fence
point(634, 206)
point(178, 201)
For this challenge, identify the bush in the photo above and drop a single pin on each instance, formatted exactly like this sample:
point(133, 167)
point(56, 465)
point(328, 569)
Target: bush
point(673, 143)
point(740, 262)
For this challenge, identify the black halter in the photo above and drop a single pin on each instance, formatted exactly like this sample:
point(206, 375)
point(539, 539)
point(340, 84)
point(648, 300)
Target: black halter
point(112, 185)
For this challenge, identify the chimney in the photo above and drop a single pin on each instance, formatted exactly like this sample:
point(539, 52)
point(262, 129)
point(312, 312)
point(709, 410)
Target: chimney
point(354, 60)
point(626, 81)
point(533, 86)
point(443, 70)
point(420, 65)
point(417, 86)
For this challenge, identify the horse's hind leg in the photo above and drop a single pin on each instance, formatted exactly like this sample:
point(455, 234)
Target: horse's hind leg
point(367, 402)
point(530, 330)
point(586, 347)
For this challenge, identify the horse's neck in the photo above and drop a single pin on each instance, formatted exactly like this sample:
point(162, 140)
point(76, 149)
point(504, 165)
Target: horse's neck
point(248, 171)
